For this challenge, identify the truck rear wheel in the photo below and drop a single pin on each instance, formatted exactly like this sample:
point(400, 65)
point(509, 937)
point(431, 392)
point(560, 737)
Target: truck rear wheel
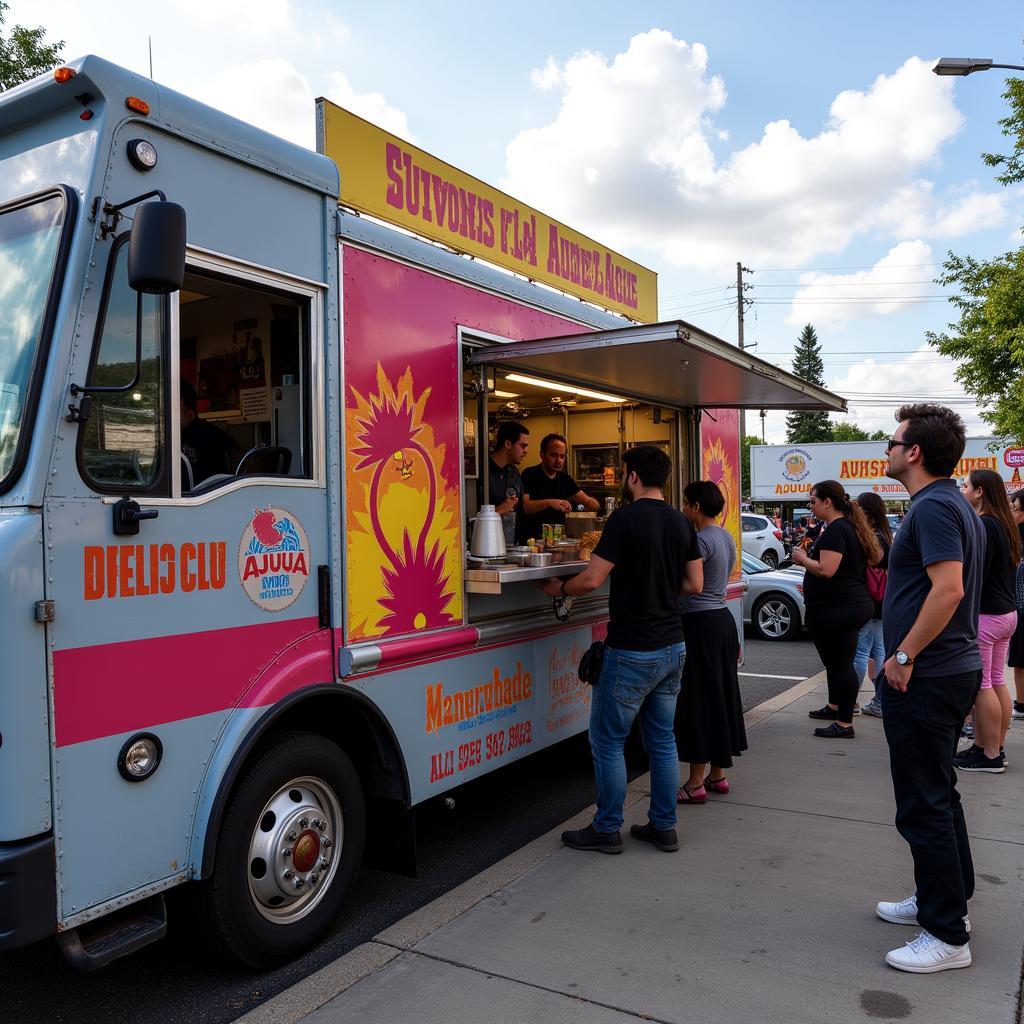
point(289, 848)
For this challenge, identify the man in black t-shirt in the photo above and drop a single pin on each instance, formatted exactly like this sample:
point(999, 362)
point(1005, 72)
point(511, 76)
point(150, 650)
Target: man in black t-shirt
point(504, 484)
point(932, 671)
point(650, 551)
point(548, 491)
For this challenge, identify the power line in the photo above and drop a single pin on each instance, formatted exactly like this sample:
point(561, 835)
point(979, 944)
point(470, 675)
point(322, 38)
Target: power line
point(843, 284)
point(815, 270)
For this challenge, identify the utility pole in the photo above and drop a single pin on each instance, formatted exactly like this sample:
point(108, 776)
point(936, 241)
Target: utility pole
point(740, 286)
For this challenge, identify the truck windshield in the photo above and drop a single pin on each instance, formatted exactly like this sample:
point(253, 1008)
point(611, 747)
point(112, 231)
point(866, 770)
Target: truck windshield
point(29, 241)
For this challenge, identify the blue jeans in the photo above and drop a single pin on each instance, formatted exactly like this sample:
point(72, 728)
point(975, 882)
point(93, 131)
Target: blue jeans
point(869, 645)
point(644, 683)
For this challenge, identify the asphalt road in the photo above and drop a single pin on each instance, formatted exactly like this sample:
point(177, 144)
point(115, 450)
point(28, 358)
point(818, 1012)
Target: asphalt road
point(177, 980)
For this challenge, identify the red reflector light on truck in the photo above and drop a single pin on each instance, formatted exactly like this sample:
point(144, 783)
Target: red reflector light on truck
point(63, 74)
point(139, 106)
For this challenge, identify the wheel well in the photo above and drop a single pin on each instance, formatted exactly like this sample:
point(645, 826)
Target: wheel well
point(343, 716)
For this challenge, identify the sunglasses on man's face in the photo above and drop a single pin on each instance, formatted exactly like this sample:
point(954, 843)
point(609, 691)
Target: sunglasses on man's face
point(893, 442)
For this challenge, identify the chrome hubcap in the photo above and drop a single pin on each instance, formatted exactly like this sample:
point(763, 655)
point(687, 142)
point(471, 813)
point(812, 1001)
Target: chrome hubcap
point(774, 618)
point(294, 850)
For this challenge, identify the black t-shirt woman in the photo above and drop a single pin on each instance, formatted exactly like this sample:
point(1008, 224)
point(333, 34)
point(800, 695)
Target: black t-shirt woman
point(837, 599)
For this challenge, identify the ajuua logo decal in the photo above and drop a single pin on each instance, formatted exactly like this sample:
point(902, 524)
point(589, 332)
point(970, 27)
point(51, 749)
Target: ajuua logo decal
point(795, 464)
point(273, 559)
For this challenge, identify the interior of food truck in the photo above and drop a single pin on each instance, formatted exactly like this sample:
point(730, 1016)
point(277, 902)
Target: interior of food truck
point(598, 428)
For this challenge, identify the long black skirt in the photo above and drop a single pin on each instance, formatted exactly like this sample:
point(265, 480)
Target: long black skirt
point(709, 714)
point(1016, 653)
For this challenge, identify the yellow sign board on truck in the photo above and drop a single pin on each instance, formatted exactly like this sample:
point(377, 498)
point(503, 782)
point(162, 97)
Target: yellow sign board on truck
point(386, 177)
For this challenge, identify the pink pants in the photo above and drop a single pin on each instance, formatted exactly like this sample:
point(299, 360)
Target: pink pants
point(994, 632)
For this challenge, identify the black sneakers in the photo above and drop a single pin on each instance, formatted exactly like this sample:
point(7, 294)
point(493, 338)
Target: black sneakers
point(663, 839)
point(590, 839)
point(1018, 710)
point(974, 760)
point(835, 731)
point(826, 713)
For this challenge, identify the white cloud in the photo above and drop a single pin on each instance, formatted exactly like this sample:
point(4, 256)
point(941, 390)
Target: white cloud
point(372, 106)
point(645, 120)
point(904, 274)
point(547, 77)
point(875, 390)
point(914, 211)
point(271, 94)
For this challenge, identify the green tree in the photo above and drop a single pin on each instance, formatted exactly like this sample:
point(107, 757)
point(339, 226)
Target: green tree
point(806, 427)
point(24, 53)
point(988, 339)
point(844, 431)
point(745, 444)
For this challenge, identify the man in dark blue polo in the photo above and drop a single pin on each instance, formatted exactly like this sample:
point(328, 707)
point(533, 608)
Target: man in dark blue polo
point(932, 671)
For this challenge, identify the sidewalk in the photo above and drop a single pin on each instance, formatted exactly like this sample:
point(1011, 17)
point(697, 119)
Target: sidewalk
point(765, 915)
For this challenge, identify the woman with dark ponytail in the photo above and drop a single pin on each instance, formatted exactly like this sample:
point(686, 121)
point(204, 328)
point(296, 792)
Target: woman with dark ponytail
point(837, 599)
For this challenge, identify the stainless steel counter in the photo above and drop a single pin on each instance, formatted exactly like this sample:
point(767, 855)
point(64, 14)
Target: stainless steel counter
point(491, 580)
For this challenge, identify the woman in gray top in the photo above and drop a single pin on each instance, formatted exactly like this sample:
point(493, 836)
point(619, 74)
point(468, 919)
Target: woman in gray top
point(709, 714)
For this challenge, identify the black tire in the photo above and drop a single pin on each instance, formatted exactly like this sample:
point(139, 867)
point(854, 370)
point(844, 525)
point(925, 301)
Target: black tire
point(770, 558)
point(775, 617)
point(299, 792)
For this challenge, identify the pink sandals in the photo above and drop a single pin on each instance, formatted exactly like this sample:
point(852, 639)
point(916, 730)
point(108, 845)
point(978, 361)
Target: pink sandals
point(685, 795)
point(720, 786)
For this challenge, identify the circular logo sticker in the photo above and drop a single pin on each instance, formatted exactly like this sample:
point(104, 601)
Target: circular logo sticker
point(795, 464)
point(273, 559)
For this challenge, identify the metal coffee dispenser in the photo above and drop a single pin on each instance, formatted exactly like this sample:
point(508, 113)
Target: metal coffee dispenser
point(488, 540)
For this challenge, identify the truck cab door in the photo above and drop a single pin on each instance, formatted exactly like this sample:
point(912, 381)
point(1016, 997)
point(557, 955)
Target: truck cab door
point(179, 624)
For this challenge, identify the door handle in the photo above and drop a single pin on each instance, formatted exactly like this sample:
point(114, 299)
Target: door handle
point(128, 514)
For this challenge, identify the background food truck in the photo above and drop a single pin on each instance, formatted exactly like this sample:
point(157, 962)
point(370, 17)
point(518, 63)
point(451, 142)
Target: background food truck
point(247, 681)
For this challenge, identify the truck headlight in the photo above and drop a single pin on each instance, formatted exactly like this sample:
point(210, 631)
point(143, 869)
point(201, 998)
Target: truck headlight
point(140, 757)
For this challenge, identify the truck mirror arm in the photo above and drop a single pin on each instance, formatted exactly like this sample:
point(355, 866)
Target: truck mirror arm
point(112, 212)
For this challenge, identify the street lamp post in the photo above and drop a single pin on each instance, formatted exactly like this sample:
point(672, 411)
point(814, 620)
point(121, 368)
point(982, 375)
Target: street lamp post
point(968, 65)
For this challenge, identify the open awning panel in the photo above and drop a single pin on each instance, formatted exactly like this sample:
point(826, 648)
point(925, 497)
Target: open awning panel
point(670, 364)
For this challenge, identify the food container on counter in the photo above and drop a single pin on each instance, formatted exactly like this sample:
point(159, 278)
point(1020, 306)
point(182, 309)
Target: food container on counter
point(540, 558)
point(565, 551)
point(518, 554)
point(578, 523)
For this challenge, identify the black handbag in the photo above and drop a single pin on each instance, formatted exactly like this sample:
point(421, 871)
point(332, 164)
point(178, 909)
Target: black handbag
point(589, 669)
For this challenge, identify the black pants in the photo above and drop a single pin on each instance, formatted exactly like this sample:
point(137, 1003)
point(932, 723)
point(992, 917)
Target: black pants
point(921, 728)
point(834, 634)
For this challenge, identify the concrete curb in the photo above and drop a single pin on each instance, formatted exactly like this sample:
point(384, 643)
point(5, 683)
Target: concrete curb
point(311, 993)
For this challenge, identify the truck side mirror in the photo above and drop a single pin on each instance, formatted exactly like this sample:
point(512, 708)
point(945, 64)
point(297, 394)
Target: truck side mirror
point(156, 248)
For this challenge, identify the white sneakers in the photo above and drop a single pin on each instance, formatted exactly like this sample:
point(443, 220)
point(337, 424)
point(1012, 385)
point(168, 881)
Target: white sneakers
point(926, 954)
point(905, 912)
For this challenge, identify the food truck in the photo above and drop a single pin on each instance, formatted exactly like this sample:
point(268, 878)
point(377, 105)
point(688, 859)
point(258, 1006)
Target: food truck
point(242, 422)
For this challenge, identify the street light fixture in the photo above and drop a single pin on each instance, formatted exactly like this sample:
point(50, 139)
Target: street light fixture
point(968, 65)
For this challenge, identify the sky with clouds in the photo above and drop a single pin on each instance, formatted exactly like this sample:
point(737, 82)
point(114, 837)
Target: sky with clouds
point(811, 142)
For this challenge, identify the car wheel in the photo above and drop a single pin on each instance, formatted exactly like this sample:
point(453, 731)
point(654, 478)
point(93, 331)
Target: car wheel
point(775, 617)
point(289, 848)
point(770, 558)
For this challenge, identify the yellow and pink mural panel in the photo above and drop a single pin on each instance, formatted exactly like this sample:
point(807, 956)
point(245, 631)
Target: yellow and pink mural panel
point(404, 535)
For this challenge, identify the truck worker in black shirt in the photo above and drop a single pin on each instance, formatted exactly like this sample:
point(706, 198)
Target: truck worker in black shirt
point(548, 491)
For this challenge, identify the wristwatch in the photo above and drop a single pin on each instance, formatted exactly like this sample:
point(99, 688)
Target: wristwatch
point(902, 658)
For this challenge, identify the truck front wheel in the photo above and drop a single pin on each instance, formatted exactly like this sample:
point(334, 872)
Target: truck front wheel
point(289, 848)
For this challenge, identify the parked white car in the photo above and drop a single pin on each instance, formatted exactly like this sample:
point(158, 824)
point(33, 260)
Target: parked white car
point(774, 602)
point(762, 539)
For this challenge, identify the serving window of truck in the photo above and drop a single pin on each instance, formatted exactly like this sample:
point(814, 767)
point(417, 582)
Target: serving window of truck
point(241, 436)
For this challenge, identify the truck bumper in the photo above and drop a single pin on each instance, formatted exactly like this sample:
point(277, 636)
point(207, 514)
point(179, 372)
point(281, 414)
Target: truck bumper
point(28, 893)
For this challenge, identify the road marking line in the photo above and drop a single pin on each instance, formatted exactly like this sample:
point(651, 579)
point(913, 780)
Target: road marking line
point(759, 675)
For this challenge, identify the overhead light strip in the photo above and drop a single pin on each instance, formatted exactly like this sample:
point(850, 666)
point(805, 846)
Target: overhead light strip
point(568, 389)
